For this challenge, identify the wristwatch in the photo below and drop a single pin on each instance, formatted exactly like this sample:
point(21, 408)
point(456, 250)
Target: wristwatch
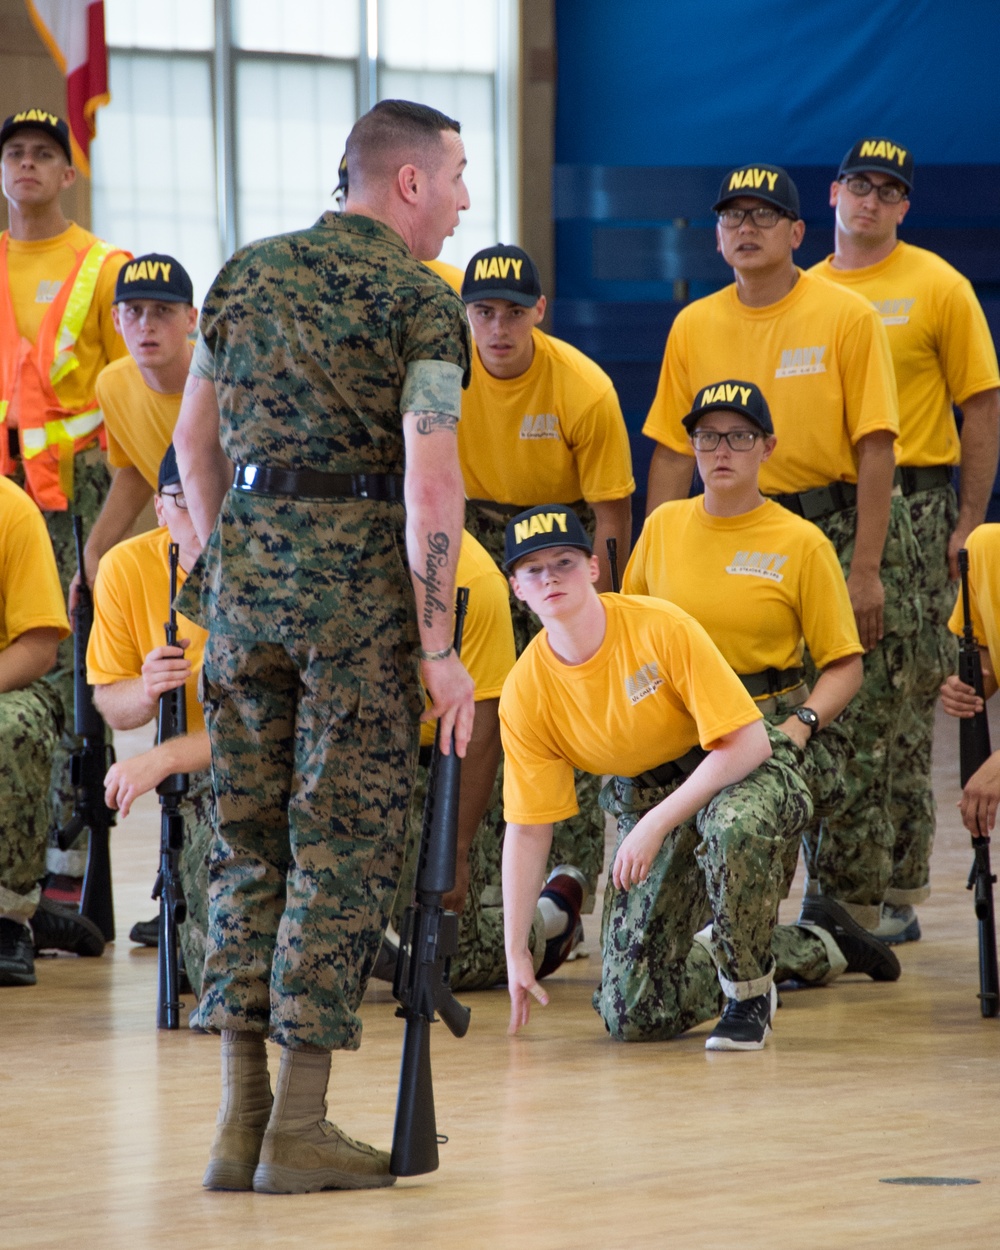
point(808, 717)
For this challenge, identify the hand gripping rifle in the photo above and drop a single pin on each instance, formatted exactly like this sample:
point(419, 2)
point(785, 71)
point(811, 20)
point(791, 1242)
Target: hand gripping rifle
point(171, 722)
point(428, 940)
point(89, 765)
point(974, 750)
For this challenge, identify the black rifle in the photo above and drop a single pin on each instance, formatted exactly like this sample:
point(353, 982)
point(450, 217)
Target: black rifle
point(973, 751)
point(613, 564)
point(89, 765)
point(171, 722)
point(427, 942)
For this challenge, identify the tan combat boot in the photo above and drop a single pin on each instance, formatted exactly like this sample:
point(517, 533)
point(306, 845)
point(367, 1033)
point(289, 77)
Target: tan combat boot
point(302, 1151)
point(243, 1112)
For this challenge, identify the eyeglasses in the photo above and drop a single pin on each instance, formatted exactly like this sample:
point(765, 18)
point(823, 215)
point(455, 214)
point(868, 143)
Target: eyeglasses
point(738, 440)
point(887, 192)
point(177, 497)
point(760, 215)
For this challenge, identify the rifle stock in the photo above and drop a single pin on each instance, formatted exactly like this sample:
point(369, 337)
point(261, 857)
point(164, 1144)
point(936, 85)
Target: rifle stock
point(974, 750)
point(171, 723)
point(89, 765)
point(427, 943)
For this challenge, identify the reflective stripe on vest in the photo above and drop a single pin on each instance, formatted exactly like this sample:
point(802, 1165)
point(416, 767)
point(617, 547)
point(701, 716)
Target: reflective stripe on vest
point(75, 313)
point(65, 430)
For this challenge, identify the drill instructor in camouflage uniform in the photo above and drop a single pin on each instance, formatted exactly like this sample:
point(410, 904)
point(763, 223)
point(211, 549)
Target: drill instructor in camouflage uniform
point(631, 686)
point(338, 362)
point(943, 355)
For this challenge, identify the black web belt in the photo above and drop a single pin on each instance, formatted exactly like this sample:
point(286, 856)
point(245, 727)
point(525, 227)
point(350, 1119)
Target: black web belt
point(932, 477)
point(672, 770)
point(772, 681)
point(260, 479)
point(821, 500)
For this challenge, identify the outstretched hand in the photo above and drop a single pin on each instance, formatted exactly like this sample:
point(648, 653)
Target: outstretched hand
point(522, 987)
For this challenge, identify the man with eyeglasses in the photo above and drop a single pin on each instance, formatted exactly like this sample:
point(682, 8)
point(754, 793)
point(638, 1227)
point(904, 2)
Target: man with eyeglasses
point(943, 356)
point(130, 666)
point(822, 358)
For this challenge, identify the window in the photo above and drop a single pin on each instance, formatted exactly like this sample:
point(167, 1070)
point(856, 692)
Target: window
point(228, 120)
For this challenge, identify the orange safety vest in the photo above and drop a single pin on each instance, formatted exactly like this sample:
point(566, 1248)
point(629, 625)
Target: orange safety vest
point(50, 433)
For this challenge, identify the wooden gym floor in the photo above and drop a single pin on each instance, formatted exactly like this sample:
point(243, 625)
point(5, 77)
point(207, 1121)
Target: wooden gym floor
point(557, 1138)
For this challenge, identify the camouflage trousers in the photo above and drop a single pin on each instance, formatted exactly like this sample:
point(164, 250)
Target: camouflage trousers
point(933, 515)
point(30, 724)
point(481, 961)
point(91, 483)
point(198, 810)
point(849, 854)
point(578, 840)
point(727, 865)
point(313, 755)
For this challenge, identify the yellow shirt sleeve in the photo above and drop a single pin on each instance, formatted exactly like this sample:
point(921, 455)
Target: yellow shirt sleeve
point(674, 393)
point(30, 594)
point(983, 546)
point(131, 605)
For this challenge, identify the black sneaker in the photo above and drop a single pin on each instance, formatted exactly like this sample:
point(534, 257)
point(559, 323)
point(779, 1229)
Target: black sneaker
point(58, 928)
point(17, 958)
point(146, 932)
point(745, 1023)
point(862, 950)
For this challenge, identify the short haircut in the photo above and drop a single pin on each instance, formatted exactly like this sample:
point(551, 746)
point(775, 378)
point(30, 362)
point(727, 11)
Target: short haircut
point(392, 134)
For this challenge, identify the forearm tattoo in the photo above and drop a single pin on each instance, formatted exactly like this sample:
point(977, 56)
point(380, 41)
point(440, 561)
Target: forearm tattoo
point(428, 422)
point(437, 559)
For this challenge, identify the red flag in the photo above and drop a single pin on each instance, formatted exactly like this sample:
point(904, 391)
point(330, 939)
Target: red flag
point(73, 31)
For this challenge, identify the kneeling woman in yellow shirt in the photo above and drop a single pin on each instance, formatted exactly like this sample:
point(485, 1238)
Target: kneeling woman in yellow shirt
point(765, 584)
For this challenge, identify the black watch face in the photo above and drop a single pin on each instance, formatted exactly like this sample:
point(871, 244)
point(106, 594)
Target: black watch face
point(808, 717)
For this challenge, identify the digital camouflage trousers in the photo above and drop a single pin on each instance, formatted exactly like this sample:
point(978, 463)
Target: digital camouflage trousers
point(728, 867)
point(933, 515)
point(850, 852)
point(30, 724)
point(313, 756)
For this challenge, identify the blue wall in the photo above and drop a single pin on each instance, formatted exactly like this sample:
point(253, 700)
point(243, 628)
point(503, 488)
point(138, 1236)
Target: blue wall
point(723, 82)
point(656, 100)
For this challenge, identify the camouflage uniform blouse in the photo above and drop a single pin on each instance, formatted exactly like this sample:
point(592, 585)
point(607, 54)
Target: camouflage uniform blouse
point(318, 341)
